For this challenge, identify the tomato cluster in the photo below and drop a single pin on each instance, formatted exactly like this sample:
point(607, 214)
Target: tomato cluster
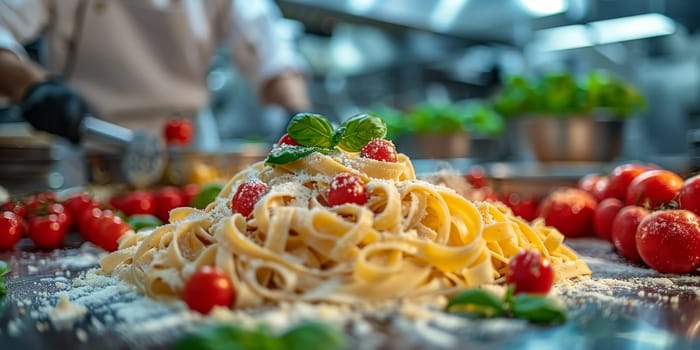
point(47, 220)
point(649, 214)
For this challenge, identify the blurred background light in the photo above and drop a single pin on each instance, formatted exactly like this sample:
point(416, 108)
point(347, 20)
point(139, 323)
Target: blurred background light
point(632, 28)
point(544, 7)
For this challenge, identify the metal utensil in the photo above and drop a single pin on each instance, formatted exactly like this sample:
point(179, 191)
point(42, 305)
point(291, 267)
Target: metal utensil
point(144, 153)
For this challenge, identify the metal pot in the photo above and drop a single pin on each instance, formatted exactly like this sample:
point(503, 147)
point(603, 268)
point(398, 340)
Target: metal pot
point(573, 139)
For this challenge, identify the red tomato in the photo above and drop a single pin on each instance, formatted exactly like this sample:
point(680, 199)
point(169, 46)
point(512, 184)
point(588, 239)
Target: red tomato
point(669, 241)
point(689, 195)
point(382, 150)
point(570, 210)
point(247, 194)
point(11, 229)
point(624, 229)
point(189, 192)
point(178, 131)
point(523, 206)
point(167, 199)
point(587, 183)
point(653, 189)
point(622, 176)
point(602, 189)
point(138, 202)
point(208, 287)
point(16, 207)
point(77, 204)
point(346, 188)
point(63, 215)
point(286, 140)
point(47, 231)
point(108, 231)
point(530, 272)
point(604, 215)
point(39, 199)
point(476, 176)
point(88, 223)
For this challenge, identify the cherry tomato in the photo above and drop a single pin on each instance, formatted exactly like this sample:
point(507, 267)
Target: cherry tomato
point(689, 195)
point(11, 229)
point(286, 140)
point(476, 176)
point(669, 241)
point(622, 175)
point(189, 192)
point(88, 223)
point(208, 287)
point(624, 229)
point(587, 183)
point(47, 231)
point(178, 131)
point(529, 272)
point(138, 202)
point(247, 194)
point(167, 199)
point(109, 229)
point(604, 215)
point(570, 210)
point(16, 207)
point(382, 150)
point(346, 188)
point(40, 199)
point(522, 205)
point(653, 189)
point(77, 204)
point(602, 189)
point(62, 214)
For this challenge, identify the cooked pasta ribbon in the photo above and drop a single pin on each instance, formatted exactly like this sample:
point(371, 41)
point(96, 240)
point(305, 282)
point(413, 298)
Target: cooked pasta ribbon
point(411, 238)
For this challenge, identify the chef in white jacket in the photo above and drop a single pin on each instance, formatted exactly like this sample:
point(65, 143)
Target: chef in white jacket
point(135, 62)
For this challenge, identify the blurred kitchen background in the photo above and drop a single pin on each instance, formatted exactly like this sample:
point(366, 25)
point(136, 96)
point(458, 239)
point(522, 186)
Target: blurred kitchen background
point(421, 58)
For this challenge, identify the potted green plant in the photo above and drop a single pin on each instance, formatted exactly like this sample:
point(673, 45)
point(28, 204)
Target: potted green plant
point(441, 130)
point(565, 119)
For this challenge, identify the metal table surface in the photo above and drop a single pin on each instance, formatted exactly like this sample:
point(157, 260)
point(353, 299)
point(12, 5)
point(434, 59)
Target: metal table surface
point(621, 307)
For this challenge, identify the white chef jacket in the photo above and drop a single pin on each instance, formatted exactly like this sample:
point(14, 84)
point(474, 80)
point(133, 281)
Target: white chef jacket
point(147, 57)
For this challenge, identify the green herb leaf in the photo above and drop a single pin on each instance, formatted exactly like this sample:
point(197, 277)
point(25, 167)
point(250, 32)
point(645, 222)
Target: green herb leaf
point(288, 154)
point(139, 222)
point(537, 308)
point(309, 129)
point(311, 336)
point(316, 335)
point(4, 269)
point(359, 129)
point(206, 195)
point(477, 302)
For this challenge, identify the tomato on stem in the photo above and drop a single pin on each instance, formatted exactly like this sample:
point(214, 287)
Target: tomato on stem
point(208, 287)
point(653, 189)
point(529, 272)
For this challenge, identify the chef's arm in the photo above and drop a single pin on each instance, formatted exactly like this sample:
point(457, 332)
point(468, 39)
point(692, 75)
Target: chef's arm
point(265, 54)
point(48, 105)
point(18, 75)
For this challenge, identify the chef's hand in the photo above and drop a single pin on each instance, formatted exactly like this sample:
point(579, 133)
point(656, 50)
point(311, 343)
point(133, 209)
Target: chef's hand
point(54, 107)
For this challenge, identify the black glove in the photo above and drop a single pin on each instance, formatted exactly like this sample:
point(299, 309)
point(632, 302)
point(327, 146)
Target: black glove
point(54, 107)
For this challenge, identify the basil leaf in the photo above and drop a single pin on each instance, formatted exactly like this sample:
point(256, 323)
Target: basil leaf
point(359, 129)
point(206, 195)
point(288, 154)
point(313, 335)
point(228, 337)
point(476, 302)
point(4, 268)
point(537, 308)
point(139, 222)
point(3, 286)
point(309, 129)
